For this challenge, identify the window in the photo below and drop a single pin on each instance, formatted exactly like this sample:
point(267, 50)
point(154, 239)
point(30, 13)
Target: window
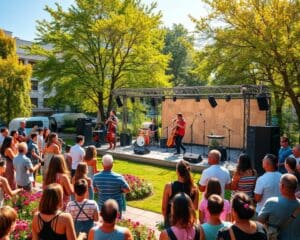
point(34, 101)
point(34, 85)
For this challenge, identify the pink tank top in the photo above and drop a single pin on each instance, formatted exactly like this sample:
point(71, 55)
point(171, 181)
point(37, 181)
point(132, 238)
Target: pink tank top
point(184, 233)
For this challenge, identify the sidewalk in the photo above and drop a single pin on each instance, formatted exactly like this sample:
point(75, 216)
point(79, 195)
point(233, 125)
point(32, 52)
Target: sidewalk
point(150, 219)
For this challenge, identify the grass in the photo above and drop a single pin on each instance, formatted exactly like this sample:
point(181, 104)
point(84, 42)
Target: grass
point(157, 176)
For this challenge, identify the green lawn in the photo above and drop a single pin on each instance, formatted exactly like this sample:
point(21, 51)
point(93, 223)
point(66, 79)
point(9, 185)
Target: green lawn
point(157, 176)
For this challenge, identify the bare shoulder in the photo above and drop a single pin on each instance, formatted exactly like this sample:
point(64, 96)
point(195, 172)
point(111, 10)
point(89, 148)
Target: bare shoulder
point(163, 235)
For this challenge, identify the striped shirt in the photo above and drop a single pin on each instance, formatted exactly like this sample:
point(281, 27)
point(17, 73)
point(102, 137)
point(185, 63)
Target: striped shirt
point(110, 185)
point(246, 184)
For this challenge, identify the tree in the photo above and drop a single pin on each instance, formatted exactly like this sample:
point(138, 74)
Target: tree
point(97, 46)
point(179, 43)
point(254, 41)
point(15, 82)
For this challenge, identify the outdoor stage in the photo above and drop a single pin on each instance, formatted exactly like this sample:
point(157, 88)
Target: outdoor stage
point(165, 156)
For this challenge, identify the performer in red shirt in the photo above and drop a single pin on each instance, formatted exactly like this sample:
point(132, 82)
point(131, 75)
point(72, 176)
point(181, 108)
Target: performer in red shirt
point(180, 125)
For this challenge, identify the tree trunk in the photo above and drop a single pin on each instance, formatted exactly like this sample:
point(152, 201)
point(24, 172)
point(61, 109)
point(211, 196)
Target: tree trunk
point(279, 100)
point(100, 113)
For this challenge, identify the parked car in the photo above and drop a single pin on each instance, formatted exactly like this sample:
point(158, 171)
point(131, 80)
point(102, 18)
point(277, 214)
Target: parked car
point(66, 119)
point(31, 122)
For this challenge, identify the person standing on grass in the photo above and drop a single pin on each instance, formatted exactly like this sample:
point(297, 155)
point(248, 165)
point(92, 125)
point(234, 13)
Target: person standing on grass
point(108, 184)
point(90, 158)
point(284, 151)
point(77, 153)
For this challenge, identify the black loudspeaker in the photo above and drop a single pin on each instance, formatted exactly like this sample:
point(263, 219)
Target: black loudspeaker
point(262, 102)
point(163, 142)
point(152, 101)
point(212, 101)
point(88, 133)
point(192, 157)
point(140, 150)
point(260, 141)
point(119, 101)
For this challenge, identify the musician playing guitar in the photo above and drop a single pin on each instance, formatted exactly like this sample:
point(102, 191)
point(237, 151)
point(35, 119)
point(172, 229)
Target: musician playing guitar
point(111, 123)
point(180, 131)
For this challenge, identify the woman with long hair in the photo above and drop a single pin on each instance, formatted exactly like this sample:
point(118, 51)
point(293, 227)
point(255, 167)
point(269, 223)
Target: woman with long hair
point(9, 154)
point(243, 211)
point(245, 177)
point(8, 218)
point(58, 173)
point(81, 173)
point(184, 184)
point(15, 140)
point(213, 187)
point(90, 158)
point(183, 219)
point(52, 147)
point(50, 223)
point(4, 185)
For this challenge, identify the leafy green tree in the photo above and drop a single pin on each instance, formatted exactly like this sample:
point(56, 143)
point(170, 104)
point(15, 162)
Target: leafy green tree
point(15, 82)
point(97, 46)
point(254, 41)
point(179, 44)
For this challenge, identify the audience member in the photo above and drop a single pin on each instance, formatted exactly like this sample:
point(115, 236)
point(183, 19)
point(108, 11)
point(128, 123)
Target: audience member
point(215, 170)
point(267, 185)
point(46, 135)
point(15, 140)
point(68, 157)
point(52, 148)
point(9, 154)
point(290, 165)
point(40, 139)
point(183, 220)
point(24, 168)
point(22, 135)
point(58, 173)
point(282, 212)
point(184, 184)
point(49, 223)
point(4, 186)
point(244, 178)
point(77, 153)
point(215, 205)
point(91, 160)
point(108, 184)
point(109, 229)
point(296, 154)
point(3, 134)
point(243, 228)
point(33, 152)
point(284, 151)
point(8, 218)
point(81, 173)
point(84, 211)
point(213, 188)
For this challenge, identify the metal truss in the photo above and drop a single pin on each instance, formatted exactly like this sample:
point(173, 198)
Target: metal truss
point(235, 91)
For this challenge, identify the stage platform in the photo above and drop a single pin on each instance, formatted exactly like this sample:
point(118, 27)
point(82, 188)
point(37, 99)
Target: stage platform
point(165, 156)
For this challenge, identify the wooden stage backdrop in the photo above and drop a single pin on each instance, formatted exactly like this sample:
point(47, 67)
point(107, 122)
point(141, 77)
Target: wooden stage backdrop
point(229, 113)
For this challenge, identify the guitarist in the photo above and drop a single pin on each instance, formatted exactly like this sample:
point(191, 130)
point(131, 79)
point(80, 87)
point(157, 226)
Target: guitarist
point(180, 131)
point(111, 123)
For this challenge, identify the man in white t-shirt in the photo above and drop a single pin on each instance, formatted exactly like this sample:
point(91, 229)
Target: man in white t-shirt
point(267, 185)
point(77, 153)
point(215, 170)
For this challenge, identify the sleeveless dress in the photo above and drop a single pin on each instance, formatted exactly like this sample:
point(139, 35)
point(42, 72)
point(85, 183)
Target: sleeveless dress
point(246, 185)
point(66, 197)
point(176, 187)
point(10, 173)
point(117, 234)
point(47, 232)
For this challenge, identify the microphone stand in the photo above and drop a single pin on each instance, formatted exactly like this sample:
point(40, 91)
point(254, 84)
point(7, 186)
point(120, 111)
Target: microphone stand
point(192, 140)
point(229, 134)
point(203, 136)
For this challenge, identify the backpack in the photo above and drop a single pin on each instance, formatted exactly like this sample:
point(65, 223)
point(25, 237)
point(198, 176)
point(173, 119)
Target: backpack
point(172, 236)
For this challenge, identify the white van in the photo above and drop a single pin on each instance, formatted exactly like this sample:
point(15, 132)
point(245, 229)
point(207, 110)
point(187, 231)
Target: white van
point(30, 123)
point(62, 118)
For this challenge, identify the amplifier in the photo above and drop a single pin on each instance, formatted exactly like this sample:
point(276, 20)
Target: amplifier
point(192, 157)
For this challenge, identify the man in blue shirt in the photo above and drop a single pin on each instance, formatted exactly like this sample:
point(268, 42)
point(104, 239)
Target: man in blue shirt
point(110, 185)
point(284, 151)
point(278, 211)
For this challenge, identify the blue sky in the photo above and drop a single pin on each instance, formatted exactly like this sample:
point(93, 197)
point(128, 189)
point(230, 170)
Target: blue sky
point(19, 16)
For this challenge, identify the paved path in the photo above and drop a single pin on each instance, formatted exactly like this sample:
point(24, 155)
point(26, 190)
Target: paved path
point(150, 219)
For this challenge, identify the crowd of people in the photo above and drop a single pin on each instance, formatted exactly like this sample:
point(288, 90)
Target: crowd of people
point(258, 207)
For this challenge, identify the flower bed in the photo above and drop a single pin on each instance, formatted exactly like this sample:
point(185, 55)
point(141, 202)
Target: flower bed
point(25, 204)
point(139, 231)
point(140, 188)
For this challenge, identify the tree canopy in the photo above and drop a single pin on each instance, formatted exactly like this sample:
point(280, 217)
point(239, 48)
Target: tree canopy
point(15, 82)
point(253, 41)
point(97, 46)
